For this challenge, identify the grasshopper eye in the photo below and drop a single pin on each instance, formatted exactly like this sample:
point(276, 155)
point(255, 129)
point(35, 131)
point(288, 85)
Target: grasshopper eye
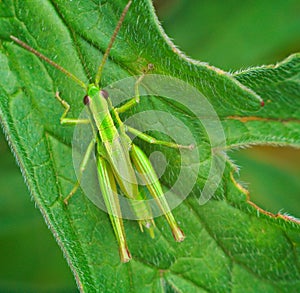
point(104, 94)
point(86, 100)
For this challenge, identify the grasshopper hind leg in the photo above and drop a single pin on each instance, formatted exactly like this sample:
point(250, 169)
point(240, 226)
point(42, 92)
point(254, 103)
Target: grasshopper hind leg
point(146, 170)
point(110, 196)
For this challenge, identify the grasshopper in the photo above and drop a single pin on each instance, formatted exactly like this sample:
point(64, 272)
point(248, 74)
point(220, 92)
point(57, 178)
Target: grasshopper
point(117, 157)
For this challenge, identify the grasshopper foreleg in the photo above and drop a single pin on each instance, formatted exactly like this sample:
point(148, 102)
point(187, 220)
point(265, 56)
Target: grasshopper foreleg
point(131, 103)
point(68, 121)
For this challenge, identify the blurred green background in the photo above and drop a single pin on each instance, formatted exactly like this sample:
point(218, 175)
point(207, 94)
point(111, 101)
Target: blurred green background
point(228, 34)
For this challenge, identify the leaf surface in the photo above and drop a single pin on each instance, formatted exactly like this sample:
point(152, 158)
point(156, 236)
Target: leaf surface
point(230, 244)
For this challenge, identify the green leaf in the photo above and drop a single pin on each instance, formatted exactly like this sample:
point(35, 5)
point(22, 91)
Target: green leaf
point(278, 121)
point(231, 245)
point(25, 239)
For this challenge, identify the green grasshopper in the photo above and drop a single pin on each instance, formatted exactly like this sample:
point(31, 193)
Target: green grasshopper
point(117, 157)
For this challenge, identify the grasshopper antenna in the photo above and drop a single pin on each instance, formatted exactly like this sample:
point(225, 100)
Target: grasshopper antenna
point(119, 24)
point(46, 59)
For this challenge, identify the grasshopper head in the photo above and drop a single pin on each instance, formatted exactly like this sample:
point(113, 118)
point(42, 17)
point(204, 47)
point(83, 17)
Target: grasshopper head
point(92, 92)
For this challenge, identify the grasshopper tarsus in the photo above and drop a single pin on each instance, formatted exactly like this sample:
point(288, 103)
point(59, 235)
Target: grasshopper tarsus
point(187, 147)
point(125, 255)
point(70, 195)
point(178, 235)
